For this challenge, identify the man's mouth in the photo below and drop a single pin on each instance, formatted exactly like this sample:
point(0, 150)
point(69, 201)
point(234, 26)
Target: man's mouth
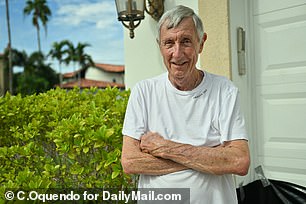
point(179, 63)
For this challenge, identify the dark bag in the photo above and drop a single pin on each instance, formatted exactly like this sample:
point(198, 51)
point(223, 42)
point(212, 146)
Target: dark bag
point(277, 192)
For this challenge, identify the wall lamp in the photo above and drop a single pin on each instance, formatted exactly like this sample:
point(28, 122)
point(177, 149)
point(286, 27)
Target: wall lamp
point(131, 12)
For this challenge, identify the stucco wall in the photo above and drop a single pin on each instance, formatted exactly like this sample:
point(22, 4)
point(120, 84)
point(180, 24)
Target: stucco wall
point(142, 56)
point(215, 57)
point(99, 75)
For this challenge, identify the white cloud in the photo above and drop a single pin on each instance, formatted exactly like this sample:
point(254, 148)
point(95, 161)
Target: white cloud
point(91, 21)
point(101, 14)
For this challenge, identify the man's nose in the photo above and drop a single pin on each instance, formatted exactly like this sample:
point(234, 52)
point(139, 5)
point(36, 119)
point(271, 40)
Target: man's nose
point(177, 50)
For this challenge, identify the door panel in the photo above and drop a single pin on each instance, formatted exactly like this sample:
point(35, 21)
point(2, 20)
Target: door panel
point(281, 43)
point(280, 84)
point(264, 6)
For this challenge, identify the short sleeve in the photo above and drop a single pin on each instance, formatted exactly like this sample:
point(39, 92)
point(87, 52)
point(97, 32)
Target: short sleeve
point(231, 121)
point(134, 122)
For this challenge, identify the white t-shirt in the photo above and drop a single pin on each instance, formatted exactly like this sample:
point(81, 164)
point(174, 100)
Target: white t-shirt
point(205, 116)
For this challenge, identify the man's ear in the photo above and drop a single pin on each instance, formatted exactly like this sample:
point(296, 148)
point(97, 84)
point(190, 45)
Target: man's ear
point(202, 42)
point(157, 41)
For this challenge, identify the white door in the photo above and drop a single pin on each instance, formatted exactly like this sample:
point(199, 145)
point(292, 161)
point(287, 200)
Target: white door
point(275, 84)
point(280, 86)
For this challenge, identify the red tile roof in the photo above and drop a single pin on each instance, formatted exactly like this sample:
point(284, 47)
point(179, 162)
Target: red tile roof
point(87, 83)
point(104, 67)
point(110, 67)
point(69, 75)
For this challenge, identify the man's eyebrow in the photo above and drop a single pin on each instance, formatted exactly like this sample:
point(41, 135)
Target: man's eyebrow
point(167, 39)
point(186, 36)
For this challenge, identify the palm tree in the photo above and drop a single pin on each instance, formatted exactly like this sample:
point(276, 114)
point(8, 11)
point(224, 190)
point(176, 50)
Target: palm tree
point(57, 53)
point(41, 12)
point(9, 47)
point(69, 52)
point(77, 55)
point(81, 57)
point(11, 58)
point(37, 76)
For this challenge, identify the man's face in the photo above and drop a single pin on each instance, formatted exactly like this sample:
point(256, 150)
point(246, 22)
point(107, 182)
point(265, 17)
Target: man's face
point(180, 47)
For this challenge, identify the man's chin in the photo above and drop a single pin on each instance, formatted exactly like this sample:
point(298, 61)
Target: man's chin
point(179, 76)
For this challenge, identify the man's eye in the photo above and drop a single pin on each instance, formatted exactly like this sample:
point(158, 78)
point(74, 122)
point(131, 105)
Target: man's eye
point(186, 41)
point(168, 43)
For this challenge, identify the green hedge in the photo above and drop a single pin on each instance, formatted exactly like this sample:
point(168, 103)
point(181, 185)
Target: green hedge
point(63, 139)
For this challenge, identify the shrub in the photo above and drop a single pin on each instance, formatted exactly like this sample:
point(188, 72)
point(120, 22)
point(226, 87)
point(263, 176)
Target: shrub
point(63, 139)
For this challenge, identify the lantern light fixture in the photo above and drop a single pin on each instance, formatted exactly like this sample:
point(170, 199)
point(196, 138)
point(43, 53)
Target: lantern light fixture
point(131, 12)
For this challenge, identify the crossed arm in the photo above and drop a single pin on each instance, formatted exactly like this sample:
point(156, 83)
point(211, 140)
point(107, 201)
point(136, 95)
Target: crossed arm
point(154, 155)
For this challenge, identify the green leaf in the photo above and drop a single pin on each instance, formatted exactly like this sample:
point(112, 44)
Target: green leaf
point(115, 174)
point(71, 155)
point(110, 161)
point(98, 144)
point(57, 140)
point(98, 167)
point(109, 133)
point(85, 149)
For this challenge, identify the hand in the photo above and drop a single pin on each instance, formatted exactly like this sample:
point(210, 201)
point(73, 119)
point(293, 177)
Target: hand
point(152, 143)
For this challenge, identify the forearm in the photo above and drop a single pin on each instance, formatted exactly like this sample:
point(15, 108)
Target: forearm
point(136, 162)
point(229, 158)
point(205, 159)
point(150, 165)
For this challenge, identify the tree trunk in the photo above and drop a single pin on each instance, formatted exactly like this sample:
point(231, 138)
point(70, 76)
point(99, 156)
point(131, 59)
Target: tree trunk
point(60, 75)
point(9, 47)
point(38, 38)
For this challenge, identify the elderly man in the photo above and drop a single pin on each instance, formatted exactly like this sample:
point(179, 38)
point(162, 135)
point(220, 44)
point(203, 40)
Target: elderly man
point(184, 127)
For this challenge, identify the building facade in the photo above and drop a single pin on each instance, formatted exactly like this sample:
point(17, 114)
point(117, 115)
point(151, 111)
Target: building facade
point(100, 75)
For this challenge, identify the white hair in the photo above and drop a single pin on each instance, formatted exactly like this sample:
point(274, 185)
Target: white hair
point(173, 17)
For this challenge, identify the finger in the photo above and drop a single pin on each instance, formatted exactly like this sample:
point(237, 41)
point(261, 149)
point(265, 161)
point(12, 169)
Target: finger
point(145, 151)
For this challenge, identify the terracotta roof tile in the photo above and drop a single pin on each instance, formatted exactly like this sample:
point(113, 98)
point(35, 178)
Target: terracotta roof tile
point(110, 67)
point(69, 75)
point(87, 83)
point(72, 74)
point(104, 67)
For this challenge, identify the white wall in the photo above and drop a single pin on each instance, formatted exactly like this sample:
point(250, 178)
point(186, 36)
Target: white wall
point(239, 18)
point(99, 75)
point(142, 56)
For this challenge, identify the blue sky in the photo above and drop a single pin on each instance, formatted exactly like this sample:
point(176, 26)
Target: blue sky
point(86, 21)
